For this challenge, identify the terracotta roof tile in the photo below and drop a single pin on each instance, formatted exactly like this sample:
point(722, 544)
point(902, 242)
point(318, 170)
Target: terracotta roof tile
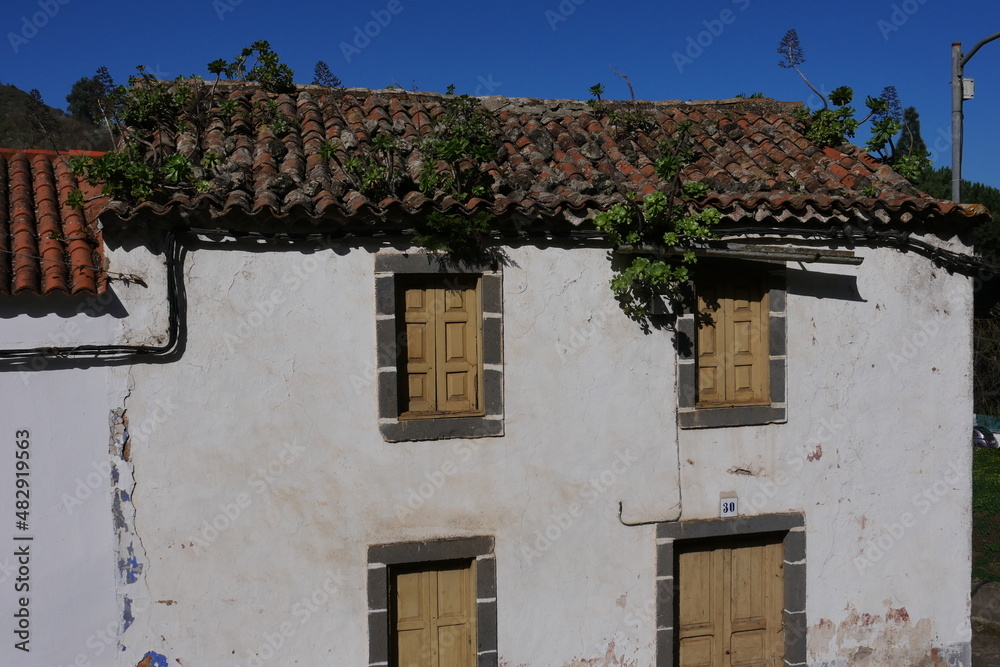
point(46, 246)
point(555, 155)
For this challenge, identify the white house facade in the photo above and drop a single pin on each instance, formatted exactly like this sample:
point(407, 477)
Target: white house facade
point(317, 443)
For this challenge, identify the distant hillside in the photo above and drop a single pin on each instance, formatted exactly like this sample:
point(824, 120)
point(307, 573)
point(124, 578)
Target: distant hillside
point(27, 122)
point(937, 183)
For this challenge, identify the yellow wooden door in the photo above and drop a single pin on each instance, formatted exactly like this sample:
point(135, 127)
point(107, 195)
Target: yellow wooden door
point(434, 619)
point(730, 604)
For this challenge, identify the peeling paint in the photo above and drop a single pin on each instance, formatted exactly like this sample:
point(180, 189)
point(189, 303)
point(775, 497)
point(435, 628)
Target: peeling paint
point(816, 455)
point(127, 616)
point(131, 555)
point(609, 659)
point(863, 639)
point(152, 659)
point(130, 567)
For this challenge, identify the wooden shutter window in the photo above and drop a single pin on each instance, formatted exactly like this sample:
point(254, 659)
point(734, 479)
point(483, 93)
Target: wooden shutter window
point(434, 616)
point(733, 358)
point(441, 348)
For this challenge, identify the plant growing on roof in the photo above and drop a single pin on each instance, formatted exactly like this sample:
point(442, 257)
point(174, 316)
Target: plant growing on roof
point(832, 127)
point(377, 171)
point(463, 139)
point(266, 68)
point(628, 119)
point(141, 116)
point(663, 220)
point(157, 126)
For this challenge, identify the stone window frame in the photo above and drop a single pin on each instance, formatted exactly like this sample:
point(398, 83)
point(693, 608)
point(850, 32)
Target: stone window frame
point(491, 422)
point(792, 524)
point(382, 558)
point(689, 415)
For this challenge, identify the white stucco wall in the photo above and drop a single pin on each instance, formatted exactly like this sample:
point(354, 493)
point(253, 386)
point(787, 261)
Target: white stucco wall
point(275, 441)
point(875, 452)
point(61, 566)
point(260, 489)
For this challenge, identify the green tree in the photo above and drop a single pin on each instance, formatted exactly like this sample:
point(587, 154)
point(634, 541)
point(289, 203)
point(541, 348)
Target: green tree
point(324, 77)
point(910, 141)
point(88, 97)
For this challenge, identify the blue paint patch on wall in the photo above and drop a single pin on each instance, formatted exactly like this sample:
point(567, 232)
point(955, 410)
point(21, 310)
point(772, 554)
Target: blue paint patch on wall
point(127, 616)
point(156, 660)
point(130, 567)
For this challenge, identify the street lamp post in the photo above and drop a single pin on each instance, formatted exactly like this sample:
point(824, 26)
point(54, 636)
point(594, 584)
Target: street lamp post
point(958, 62)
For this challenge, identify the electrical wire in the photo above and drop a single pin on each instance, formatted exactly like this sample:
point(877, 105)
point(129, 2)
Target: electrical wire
point(174, 279)
point(849, 235)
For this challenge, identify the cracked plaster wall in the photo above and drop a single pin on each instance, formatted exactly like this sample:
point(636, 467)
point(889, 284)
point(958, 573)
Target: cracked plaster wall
point(259, 490)
point(875, 452)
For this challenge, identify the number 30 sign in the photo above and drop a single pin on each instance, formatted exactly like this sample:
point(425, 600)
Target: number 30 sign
point(728, 507)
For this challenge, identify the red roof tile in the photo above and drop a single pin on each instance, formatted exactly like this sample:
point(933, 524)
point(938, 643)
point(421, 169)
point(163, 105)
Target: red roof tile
point(556, 157)
point(46, 246)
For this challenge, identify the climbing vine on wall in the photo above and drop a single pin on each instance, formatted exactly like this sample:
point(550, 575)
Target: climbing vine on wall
point(661, 222)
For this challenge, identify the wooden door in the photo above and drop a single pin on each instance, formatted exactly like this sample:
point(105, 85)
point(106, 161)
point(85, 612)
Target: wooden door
point(730, 604)
point(434, 619)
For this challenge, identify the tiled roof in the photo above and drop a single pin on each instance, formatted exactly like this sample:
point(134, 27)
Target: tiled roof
point(46, 246)
point(558, 159)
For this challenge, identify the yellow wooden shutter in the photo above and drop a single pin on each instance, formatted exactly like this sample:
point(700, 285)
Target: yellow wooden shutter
point(746, 316)
point(733, 360)
point(442, 327)
point(711, 344)
point(730, 606)
point(435, 619)
point(421, 349)
point(458, 349)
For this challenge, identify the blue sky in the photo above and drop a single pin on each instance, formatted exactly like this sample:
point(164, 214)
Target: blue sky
point(544, 48)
